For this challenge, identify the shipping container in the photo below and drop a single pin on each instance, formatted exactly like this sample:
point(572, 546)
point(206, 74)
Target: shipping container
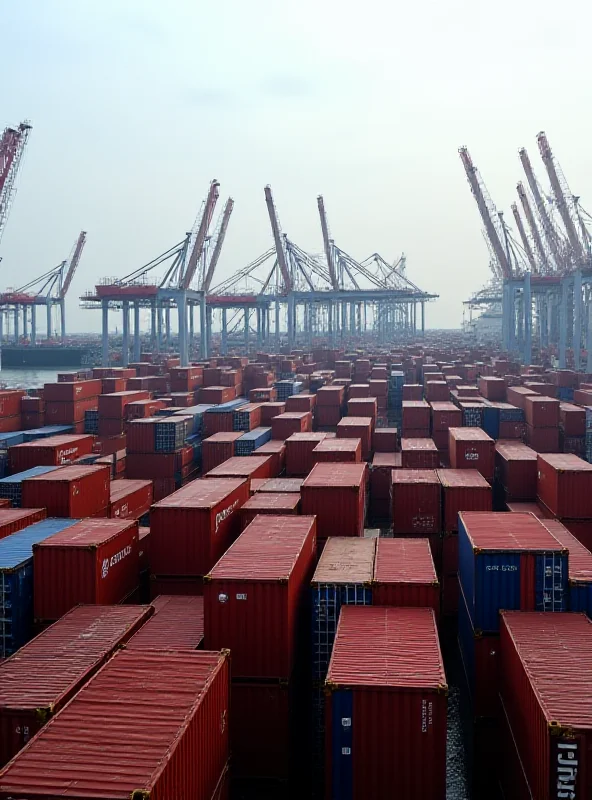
point(244, 467)
point(516, 471)
point(384, 440)
point(419, 453)
point(112, 406)
point(343, 576)
point(480, 658)
point(38, 681)
point(572, 420)
point(445, 415)
point(565, 485)
point(46, 432)
point(338, 451)
point(72, 392)
point(60, 414)
point(269, 503)
point(129, 499)
point(76, 491)
point(301, 402)
point(299, 452)
point(218, 448)
point(330, 396)
point(175, 585)
point(192, 528)
point(93, 561)
point(405, 575)
point(16, 582)
point(189, 691)
point(277, 453)
point(254, 596)
point(16, 519)
point(336, 494)
point(177, 624)
point(284, 425)
point(542, 440)
point(281, 485)
point(462, 490)
point(249, 442)
point(357, 428)
point(472, 448)
point(528, 508)
point(509, 561)
point(381, 483)
point(417, 504)
point(10, 402)
point(50, 452)
point(386, 713)
point(541, 412)
point(141, 435)
point(580, 567)
point(545, 667)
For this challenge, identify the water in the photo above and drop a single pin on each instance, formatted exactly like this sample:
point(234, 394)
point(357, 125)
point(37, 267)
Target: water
point(30, 378)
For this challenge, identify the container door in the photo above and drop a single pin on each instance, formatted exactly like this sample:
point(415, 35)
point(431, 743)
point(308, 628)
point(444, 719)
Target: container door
point(342, 730)
point(551, 582)
point(497, 586)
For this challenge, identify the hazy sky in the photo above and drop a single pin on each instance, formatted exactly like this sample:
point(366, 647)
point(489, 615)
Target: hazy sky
point(138, 104)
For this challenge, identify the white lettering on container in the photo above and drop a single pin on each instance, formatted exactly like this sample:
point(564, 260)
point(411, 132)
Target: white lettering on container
point(111, 562)
point(501, 568)
point(241, 597)
point(222, 515)
point(567, 770)
point(346, 751)
point(63, 454)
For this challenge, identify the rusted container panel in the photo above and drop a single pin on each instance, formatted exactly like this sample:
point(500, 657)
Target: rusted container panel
point(547, 699)
point(338, 451)
point(129, 499)
point(445, 415)
point(516, 469)
point(541, 412)
point(71, 392)
point(254, 596)
point(57, 413)
point(517, 396)
point(276, 485)
point(46, 673)
point(542, 440)
point(336, 494)
point(190, 691)
point(572, 420)
point(417, 506)
point(330, 396)
point(416, 415)
point(15, 519)
point(112, 406)
point(51, 452)
point(93, 561)
point(244, 467)
point(565, 485)
point(193, 527)
point(381, 483)
point(386, 712)
point(276, 451)
point(405, 575)
point(384, 440)
point(217, 449)
point(363, 407)
point(480, 658)
point(419, 454)
point(299, 449)
point(69, 492)
point(472, 448)
point(301, 402)
point(463, 490)
point(177, 624)
point(284, 425)
point(269, 503)
point(357, 428)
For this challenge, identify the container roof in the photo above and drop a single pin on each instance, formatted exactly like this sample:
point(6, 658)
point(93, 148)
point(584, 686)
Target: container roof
point(201, 493)
point(346, 560)
point(178, 621)
point(466, 478)
point(404, 560)
point(416, 476)
point(88, 532)
point(333, 474)
point(501, 531)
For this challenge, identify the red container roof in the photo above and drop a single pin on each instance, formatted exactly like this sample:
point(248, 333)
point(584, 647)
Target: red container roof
point(346, 560)
point(123, 487)
point(88, 533)
point(335, 475)
point(416, 476)
point(281, 485)
point(10, 515)
point(111, 755)
point(222, 436)
point(387, 460)
point(500, 531)
point(66, 474)
point(240, 466)
point(342, 445)
point(443, 405)
point(285, 501)
point(565, 462)
point(470, 435)
point(201, 493)
point(462, 479)
point(273, 446)
point(293, 415)
point(266, 550)
point(527, 508)
point(580, 558)
point(415, 404)
point(51, 665)
point(556, 651)
point(391, 647)
point(418, 444)
point(177, 624)
point(304, 436)
point(355, 422)
point(56, 441)
point(404, 560)
point(516, 452)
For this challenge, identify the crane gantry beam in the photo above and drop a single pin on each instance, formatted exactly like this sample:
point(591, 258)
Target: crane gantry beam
point(12, 147)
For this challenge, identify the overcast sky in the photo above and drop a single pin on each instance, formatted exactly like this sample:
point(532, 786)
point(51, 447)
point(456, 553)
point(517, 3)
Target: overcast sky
point(137, 104)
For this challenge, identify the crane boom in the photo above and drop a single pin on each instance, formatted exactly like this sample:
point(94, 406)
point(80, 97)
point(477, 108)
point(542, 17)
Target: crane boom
point(327, 243)
point(562, 201)
point(196, 253)
point(277, 238)
point(538, 242)
point(12, 146)
point(220, 235)
point(487, 212)
point(74, 261)
point(548, 229)
point(524, 238)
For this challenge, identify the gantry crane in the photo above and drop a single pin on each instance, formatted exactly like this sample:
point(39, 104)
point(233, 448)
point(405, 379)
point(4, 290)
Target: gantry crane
point(278, 240)
point(524, 238)
point(534, 229)
point(12, 147)
point(217, 241)
point(327, 243)
point(549, 231)
point(200, 240)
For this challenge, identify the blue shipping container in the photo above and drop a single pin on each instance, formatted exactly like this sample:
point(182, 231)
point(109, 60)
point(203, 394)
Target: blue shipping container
point(509, 562)
point(250, 441)
point(16, 582)
point(170, 434)
point(47, 430)
point(197, 412)
point(491, 421)
point(342, 712)
point(11, 487)
point(227, 407)
point(11, 439)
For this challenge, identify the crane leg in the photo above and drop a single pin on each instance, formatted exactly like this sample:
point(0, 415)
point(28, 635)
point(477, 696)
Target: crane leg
point(209, 312)
point(16, 324)
point(63, 318)
point(154, 343)
point(577, 327)
point(277, 324)
point(33, 325)
point(182, 312)
point(25, 323)
point(563, 325)
point(167, 326)
point(224, 332)
point(247, 310)
point(125, 342)
point(137, 342)
point(104, 331)
point(527, 301)
point(203, 328)
point(589, 335)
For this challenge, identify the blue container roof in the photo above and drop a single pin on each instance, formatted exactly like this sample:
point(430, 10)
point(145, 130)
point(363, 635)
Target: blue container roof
point(18, 547)
point(195, 410)
point(28, 473)
point(256, 433)
point(229, 406)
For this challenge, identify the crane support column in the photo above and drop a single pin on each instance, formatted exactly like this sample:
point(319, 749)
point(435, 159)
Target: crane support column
point(137, 343)
point(563, 325)
point(224, 347)
point(63, 318)
point(1, 330)
point(167, 326)
point(330, 318)
point(291, 321)
point(104, 332)
point(209, 312)
point(191, 326)
point(247, 312)
point(182, 314)
point(527, 297)
point(577, 322)
point(25, 323)
point(589, 336)
point(203, 332)
point(422, 317)
point(125, 335)
point(153, 335)
point(33, 325)
point(16, 324)
point(277, 324)
point(158, 328)
point(506, 316)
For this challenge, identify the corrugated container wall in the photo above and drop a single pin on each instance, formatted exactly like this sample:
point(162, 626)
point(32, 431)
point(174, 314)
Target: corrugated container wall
point(405, 575)
point(177, 624)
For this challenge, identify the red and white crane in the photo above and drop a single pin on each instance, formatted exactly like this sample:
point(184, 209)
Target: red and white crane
point(524, 238)
point(327, 244)
point(12, 147)
point(534, 228)
point(196, 254)
point(217, 241)
point(278, 241)
point(550, 232)
point(71, 265)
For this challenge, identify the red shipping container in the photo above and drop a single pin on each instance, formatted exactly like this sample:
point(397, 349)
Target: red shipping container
point(463, 490)
point(143, 409)
point(277, 453)
point(378, 388)
point(112, 406)
point(245, 467)
point(217, 449)
point(177, 621)
point(11, 424)
point(72, 392)
point(77, 491)
point(565, 485)
point(412, 391)
point(384, 440)
point(271, 410)
point(5, 503)
point(381, 482)
point(330, 396)
point(509, 429)
point(129, 499)
point(419, 454)
point(542, 440)
point(65, 413)
point(211, 376)
point(338, 450)
point(541, 412)
point(141, 434)
point(358, 390)
point(10, 402)
point(416, 415)
point(363, 407)
point(217, 394)
point(111, 427)
point(15, 519)
point(47, 672)
point(404, 574)
point(357, 428)
point(269, 503)
point(144, 548)
point(112, 385)
point(516, 469)
point(192, 528)
point(572, 420)
point(482, 669)
point(493, 388)
point(472, 448)
point(275, 485)
point(444, 416)
point(336, 494)
point(50, 452)
point(31, 420)
point(417, 504)
point(173, 585)
point(254, 596)
point(284, 425)
point(437, 391)
point(262, 395)
point(528, 508)
point(93, 561)
point(551, 728)
point(194, 689)
point(299, 452)
point(516, 396)
point(370, 742)
point(301, 402)
point(327, 416)
point(155, 466)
